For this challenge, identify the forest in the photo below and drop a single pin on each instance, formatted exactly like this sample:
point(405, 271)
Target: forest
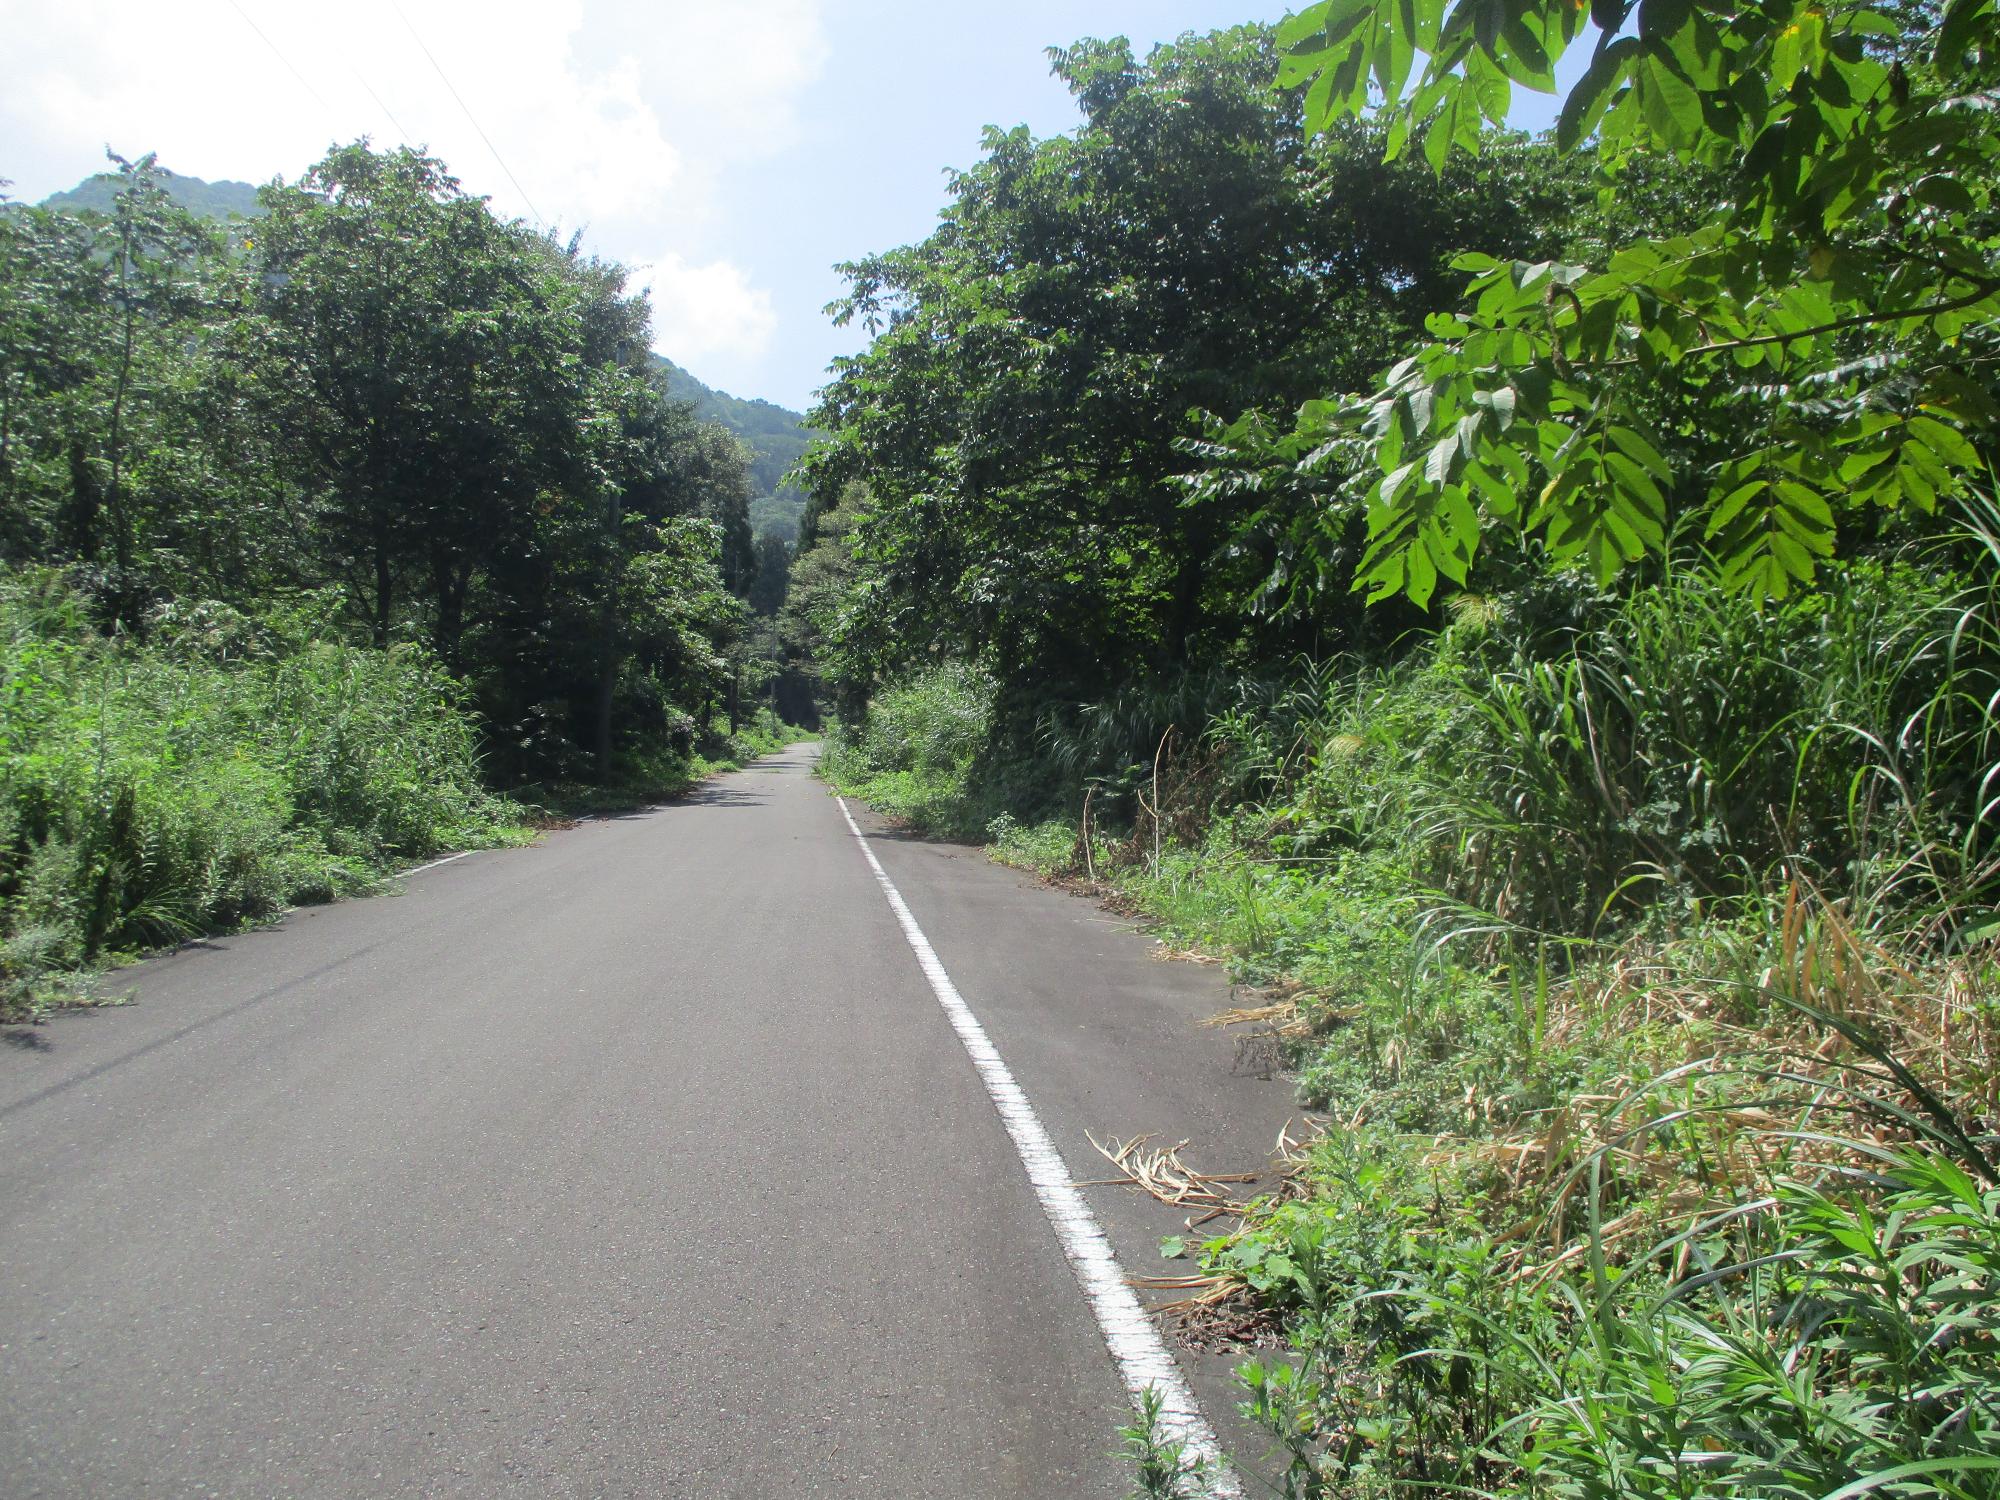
point(1528, 604)
point(335, 537)
point(1531, 605)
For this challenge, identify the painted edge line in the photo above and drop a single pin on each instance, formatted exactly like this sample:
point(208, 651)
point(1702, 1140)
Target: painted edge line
point(463, 854)
point(1136, 1348)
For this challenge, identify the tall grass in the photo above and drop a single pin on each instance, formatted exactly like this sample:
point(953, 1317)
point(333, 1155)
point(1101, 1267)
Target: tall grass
point(1686, 746)
point(221, 770)
point(1641, 950)
point(914, 755)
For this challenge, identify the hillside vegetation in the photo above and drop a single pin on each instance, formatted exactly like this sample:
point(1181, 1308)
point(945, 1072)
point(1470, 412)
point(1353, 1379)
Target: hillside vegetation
point(1533, 606)
point(776, 438)
point(222, 770)
point(221, 201)
point(317, 531)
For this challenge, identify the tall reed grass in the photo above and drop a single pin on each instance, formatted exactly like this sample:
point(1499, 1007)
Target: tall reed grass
point(1640, 949)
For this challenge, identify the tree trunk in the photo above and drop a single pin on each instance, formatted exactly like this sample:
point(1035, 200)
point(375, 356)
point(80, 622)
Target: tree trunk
point(121, 526)
point(450, 579)
point(607, 634)
point(80, 515)
point(385, 586)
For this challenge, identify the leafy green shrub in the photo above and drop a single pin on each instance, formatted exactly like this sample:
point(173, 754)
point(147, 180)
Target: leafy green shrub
point(935, 724)
point(1854, 1350)
point(913, 757)
point(764, 733)
point(1397, 1302)
point(1048, 847)
point(214, 774)
point(1838, 1336)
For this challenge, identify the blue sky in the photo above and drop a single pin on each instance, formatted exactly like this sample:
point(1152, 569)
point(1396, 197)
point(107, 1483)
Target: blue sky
point(730, 152)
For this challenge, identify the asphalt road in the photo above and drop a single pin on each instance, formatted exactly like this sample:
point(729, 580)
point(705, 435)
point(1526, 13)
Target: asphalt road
point(639, 1163)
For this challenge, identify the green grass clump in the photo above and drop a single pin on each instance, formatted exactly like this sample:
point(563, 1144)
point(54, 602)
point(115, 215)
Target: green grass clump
point(914, 757)
point(215, 773)
point(1640, 950)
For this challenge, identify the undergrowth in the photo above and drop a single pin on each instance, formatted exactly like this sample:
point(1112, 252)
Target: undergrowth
point(915, 759)
point(666, 771)
point(221, 770)
point(1640, 952)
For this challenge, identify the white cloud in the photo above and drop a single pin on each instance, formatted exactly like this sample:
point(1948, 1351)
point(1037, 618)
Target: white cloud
point(707, 312)
point(620, 117)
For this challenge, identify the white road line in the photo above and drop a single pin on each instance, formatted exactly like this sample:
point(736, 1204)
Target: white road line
point(1135, 1345)
point(402, 874)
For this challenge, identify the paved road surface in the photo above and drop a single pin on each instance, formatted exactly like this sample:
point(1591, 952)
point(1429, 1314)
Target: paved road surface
point(640, 1163)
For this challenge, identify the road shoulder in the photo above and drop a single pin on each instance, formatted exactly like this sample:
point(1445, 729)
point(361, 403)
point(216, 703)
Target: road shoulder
point(1104, 1036)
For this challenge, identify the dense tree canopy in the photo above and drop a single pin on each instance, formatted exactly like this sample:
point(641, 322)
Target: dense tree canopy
point(380, 387)
point(1189, 248)
point(1837, 304)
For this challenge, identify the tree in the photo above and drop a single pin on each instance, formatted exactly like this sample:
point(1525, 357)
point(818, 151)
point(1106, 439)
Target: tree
point(771, 574)
point(1016, 420)
point(422, 349)
point(52, 331)
point(381, 386)
point(1844, 291)
point(812, 626)
point(94, 314)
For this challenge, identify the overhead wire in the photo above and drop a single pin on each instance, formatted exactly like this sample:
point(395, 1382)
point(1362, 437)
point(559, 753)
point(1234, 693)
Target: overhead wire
point(279, 54)
point(359, 77)
point(362, 79)
point(466, 109)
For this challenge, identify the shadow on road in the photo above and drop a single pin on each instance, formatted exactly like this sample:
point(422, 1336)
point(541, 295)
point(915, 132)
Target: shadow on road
point(712, 795)
point(912, 836)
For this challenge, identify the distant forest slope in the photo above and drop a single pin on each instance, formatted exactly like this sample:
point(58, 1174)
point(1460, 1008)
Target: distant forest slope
point(776, 437)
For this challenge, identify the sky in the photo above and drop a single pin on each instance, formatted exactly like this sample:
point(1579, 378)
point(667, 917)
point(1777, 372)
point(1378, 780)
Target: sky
point(729, 152)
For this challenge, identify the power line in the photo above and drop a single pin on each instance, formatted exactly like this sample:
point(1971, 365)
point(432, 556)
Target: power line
point(285, 60)
point(362, 79)
point(332, 115)
point(474, 123)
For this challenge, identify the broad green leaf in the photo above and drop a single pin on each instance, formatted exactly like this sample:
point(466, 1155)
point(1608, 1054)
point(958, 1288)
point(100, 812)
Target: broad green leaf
point(1944, 192)
point(1394, 50)
point(1672, 107)
point(1295, 68)
point(1437, 467)
point(1629, 442)
point(1732, 506)
point(1422, 576)
point(1500, 495)
point(1946, 442)
point(1304, 25)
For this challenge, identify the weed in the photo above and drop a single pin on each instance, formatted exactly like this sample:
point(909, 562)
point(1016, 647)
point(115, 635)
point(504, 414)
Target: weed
point(1162, 1467)
point(1641, 951)
point(219, 772)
